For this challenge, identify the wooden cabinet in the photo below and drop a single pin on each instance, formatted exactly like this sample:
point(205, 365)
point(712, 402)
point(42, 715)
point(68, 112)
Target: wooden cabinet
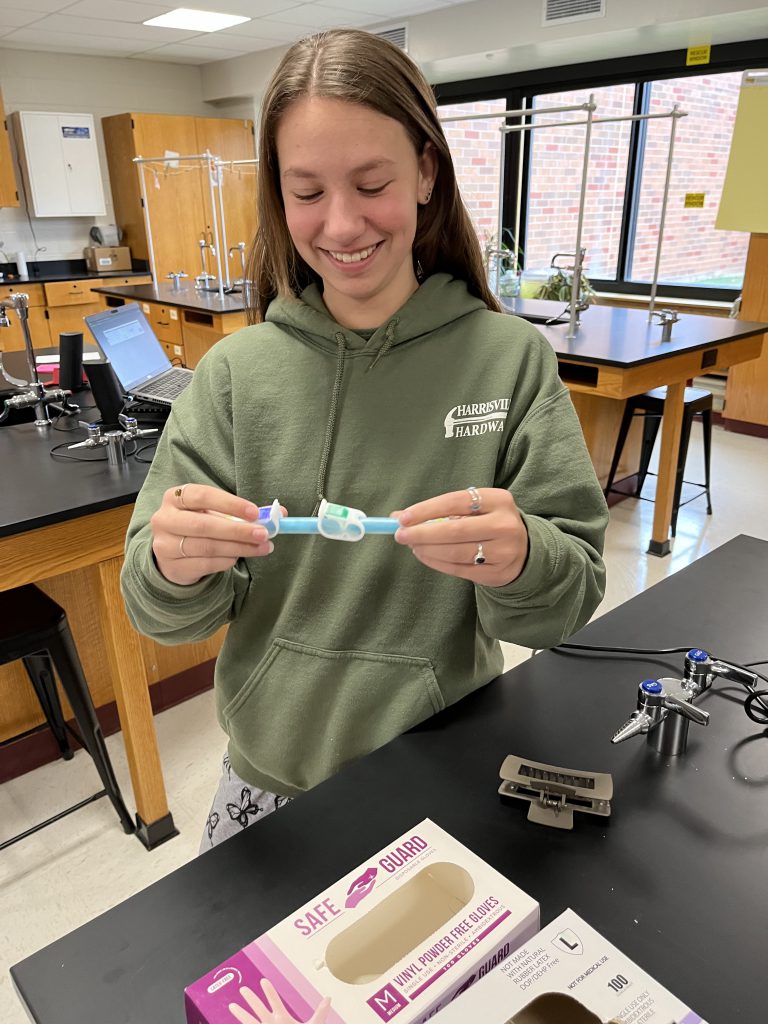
point(166, 323)
point(68, 302)
point(12, 338)
point(746, 394)
point(202, 330)
point(9, 195)
point(178, 194)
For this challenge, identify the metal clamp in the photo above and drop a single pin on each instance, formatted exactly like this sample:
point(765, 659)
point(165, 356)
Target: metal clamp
point(555, 793)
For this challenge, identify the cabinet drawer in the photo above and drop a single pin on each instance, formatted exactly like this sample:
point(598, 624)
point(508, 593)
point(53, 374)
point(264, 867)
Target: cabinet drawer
point(165, 321)
point(174, 352)
point(69, 293)
point(34, 291)
point(121, 282)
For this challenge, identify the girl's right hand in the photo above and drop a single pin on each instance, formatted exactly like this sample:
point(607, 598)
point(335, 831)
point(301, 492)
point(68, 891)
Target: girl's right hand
point(189, 543)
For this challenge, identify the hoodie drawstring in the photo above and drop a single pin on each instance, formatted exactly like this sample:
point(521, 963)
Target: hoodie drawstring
point(320, 486)
point(389, 340)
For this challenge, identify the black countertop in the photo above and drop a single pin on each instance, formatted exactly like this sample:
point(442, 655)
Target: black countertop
point(619, 336)
point(40, 490)
point(186, 297)
point(47, 276)
point(674, 878)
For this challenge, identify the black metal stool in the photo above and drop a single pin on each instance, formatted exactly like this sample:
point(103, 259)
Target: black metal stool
point(696, 402)
point(34, 628)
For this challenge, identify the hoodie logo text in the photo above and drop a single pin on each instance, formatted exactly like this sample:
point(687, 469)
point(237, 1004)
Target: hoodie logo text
point(476, 418)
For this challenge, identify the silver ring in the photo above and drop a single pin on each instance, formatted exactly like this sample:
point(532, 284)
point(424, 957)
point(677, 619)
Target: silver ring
point(474, 494)
point(179, 493)
point(479, 558)
point(183, 553)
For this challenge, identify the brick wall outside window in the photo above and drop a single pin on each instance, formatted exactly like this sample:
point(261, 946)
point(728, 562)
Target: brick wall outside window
point(693, 251)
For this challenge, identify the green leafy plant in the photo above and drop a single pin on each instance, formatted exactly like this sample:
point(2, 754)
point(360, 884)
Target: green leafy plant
point(559, 284)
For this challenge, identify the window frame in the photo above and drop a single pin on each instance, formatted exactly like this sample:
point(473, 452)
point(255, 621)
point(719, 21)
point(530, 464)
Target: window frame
point(519, 88)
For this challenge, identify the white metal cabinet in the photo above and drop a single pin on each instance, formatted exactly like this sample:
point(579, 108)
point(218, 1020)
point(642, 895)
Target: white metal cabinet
point(60, 163)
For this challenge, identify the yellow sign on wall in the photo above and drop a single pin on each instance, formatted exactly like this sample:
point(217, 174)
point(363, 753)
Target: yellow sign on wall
point(694, 200)
point(698, 55)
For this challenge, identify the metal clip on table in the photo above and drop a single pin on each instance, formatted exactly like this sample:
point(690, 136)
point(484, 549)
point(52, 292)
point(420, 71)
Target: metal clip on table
point(665, 706)
point(667, 318)
point(37, 394)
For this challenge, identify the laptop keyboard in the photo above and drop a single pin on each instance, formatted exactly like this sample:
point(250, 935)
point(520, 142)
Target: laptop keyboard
point(170, 385)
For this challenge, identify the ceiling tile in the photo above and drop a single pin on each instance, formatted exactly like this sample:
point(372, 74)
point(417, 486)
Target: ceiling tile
point(320, 16)
point(117, 10)
point(189, 54)
point(12, 17)
point(265, 28)
point(36, 39)
point(87, 27)
point(391, 9)
point(43, 6)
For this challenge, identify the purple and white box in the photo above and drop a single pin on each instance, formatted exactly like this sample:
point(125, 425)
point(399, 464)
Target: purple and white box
point(569, 974)
point(397, 938)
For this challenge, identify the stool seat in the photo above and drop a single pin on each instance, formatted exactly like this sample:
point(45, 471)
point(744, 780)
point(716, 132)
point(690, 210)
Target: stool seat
point(26, 613)
point(696, 399)
point(650, 405)
point(34, 629)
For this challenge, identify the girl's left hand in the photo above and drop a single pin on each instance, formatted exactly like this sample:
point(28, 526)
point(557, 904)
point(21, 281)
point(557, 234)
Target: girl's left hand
point(445, 534)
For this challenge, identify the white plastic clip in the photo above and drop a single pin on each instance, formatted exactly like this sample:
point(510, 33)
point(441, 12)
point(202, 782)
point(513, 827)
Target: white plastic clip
point(339, 522)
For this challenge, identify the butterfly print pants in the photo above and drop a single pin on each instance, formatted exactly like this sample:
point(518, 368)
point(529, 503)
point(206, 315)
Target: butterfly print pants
point(236, 805)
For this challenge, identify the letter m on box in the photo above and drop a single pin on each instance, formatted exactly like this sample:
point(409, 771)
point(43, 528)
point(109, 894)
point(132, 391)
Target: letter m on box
point(387, 1002)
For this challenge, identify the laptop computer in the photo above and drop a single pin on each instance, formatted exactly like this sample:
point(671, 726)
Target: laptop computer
point(126, 339)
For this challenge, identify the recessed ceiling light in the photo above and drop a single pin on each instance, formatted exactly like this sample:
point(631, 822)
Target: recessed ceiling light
point(196, 21)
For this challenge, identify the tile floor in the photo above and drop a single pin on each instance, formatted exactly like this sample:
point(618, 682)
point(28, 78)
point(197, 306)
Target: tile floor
point(83, 865)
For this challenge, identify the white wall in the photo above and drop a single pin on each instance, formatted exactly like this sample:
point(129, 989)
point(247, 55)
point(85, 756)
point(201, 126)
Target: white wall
point(490, 37)
point(91, 85)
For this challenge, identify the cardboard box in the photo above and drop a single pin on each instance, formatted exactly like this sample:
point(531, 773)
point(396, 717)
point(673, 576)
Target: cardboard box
point(568, 974)
point(103, 259)
point(397, 938)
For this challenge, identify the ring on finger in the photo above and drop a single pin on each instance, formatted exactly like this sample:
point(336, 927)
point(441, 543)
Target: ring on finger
point(179, 493)
point(182, 552)
point(474, 495)
point(479, 558)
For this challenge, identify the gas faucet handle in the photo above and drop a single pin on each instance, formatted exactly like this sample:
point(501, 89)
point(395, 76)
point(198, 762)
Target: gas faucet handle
point(686, 709)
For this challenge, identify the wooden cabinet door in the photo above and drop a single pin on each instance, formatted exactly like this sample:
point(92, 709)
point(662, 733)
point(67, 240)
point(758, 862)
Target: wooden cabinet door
point(68, 302)
point(12, 338)
point(232, 139)
point(8, 193)
point(174, 193)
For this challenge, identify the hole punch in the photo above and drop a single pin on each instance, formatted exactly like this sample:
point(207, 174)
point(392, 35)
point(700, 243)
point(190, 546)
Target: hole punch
point(555, 793)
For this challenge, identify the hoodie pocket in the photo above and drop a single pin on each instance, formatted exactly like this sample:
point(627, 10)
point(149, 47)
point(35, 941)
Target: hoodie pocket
point(305, 712)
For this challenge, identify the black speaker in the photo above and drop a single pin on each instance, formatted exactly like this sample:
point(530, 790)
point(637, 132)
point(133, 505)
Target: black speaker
point(106, 391)
point(71, 360)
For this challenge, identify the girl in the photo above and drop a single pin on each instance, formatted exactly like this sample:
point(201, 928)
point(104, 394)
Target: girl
point(382, 376)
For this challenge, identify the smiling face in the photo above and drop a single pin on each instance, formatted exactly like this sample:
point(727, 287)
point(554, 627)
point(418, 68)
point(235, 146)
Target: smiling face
point(351, 182)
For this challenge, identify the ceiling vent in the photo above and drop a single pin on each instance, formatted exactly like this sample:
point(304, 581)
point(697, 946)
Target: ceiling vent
point(557, 12)
point(398, 35)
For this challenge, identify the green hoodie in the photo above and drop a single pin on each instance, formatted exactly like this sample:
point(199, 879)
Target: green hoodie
point(333, 649)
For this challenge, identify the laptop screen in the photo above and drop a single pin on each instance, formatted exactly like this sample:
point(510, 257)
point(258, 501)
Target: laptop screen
point(126, 339)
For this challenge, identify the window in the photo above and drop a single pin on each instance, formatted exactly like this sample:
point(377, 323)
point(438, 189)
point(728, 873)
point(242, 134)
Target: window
point(693, 252)
point(556, 162)
point(475, 146)
point(627, 168)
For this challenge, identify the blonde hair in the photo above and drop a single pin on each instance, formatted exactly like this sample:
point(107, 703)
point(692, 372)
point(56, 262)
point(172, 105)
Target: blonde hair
point(358, 67)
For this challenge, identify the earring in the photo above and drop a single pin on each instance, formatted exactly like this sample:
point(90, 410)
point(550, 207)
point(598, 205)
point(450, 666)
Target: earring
point(427, 197)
